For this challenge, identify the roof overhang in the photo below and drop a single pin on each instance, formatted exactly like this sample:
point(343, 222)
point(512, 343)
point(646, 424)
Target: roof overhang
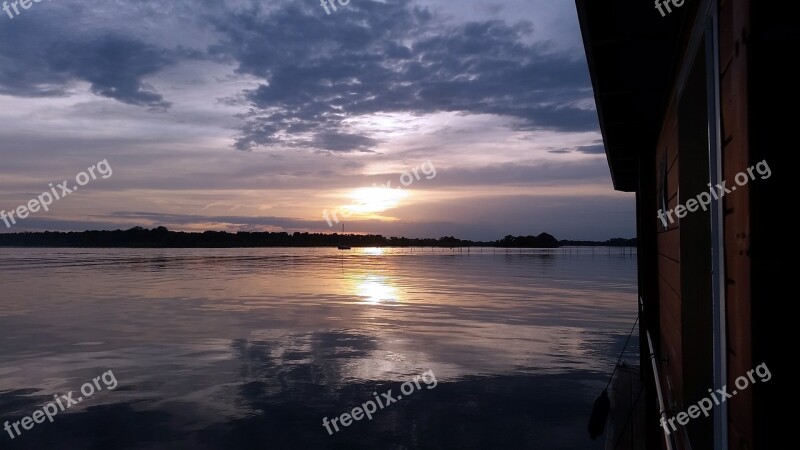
point(632, 53)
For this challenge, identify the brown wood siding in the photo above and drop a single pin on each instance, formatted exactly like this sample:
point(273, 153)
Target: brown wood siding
point(733, 26)
point(669, 245)
point(669, 275)
point(735, 157)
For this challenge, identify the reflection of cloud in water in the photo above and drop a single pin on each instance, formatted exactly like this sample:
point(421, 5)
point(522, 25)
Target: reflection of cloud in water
point(294, 381)
point(510, 411)
point(251, 348)
point(275, 386)
point(336, 357)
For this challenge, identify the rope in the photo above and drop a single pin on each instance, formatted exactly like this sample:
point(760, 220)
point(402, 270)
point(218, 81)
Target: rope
point(622, 352)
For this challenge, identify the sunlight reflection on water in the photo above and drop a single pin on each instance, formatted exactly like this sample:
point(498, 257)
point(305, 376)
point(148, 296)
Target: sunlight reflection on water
point(209, 342)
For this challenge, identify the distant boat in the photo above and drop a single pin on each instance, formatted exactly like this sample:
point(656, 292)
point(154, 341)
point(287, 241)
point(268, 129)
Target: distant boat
point(343, 247)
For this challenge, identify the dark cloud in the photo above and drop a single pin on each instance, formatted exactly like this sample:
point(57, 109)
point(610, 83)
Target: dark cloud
point(592, 149)
point(128, 219)
point(46, 53)
point(114, 65)
point(343, 141)
point(392, 57)
point(240, 221)
point(319, 70)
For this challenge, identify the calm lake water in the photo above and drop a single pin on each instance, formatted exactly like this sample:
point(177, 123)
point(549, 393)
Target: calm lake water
point(252, 348)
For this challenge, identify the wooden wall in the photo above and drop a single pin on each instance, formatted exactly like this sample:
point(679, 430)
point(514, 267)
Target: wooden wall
point(674, 334)
point(669, 259)
point(733, 29)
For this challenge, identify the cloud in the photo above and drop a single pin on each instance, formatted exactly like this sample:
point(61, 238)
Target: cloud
point(338, 102)
point(317, 71)
point(47, 51)
point(598, 148)
point(320, 71)
point(114, 65)
point(595, 149)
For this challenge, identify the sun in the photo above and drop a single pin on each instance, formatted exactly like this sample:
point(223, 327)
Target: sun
point(375, 199)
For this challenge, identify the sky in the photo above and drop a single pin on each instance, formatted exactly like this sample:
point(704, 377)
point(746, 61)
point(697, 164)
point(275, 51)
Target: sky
point(417, 118)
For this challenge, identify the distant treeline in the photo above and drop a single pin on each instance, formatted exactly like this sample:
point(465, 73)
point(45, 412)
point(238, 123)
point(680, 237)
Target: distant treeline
point(616, 242)
point(162, 238)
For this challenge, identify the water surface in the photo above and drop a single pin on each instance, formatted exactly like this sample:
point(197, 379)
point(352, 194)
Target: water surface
point(252, 348)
